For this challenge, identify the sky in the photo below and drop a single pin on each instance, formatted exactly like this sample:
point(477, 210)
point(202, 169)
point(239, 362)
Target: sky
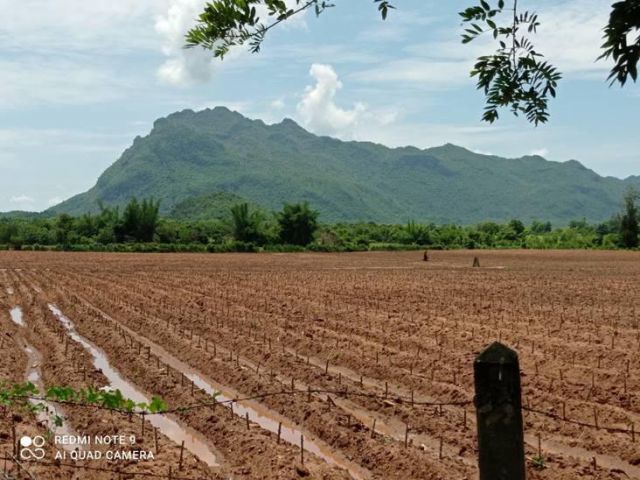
point(79, 80)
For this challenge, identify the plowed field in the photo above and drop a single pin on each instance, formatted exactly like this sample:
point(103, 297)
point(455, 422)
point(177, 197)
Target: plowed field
point(367, 356)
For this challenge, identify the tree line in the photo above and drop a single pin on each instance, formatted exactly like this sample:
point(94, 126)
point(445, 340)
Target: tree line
point(139, 227)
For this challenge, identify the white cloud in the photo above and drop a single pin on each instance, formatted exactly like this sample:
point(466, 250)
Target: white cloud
point(69, 51)
point(32, 151)
point(400, 25)
point(21, 200)
point(20, 139)
point(77, 25)
point(298, 21)
point(541, 152)
point(570, 35)
point(482, 152)
point(33, 80)
point(318, 110)
point(277, 104)
point(196, 65)
point(428, 73)
point(54, 201)
point(183, 66)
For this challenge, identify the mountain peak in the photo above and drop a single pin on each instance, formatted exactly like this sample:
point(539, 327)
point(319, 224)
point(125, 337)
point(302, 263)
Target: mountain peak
point(290, 125)
point(449, 149)
point(192, 154)
point(288, 122)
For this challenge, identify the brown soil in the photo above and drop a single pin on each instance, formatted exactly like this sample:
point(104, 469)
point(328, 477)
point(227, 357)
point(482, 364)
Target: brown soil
point(376, 329)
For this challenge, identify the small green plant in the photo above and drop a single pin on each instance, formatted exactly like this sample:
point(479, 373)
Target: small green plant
point(27, 396)
point(538, 462)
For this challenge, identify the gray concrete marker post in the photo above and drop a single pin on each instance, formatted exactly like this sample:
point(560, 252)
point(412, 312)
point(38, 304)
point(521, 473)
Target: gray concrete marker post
point(499, 412)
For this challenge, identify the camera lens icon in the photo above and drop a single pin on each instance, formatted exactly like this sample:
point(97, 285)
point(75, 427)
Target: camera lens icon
point(32, 447)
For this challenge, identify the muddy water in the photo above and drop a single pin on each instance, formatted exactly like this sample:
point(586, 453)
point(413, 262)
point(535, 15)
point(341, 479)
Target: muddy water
point(34, 375)
point(193, 441)
point(268, 421)
point(16, 316)
point(607, 461)
point(258, 413)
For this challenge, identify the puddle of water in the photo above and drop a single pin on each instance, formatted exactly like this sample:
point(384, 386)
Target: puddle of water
point(288, 433)
point(257, 414)
point(606, 461)
point(34, 376)
point(16, 316)
point(193, 441)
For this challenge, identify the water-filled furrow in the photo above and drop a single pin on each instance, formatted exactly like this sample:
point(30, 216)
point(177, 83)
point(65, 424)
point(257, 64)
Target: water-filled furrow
point(193, 441)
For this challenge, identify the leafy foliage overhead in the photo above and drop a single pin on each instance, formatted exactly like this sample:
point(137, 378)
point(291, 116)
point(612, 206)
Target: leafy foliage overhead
point(514, 76)
point(619, 44)
point(228, 23)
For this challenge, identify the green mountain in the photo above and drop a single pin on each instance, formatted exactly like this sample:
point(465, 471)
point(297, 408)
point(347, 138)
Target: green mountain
point(210, 206)
point(189, 154)
point(20, 214)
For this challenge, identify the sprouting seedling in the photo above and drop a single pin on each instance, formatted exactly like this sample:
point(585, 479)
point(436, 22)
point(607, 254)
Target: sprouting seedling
point(27, 395)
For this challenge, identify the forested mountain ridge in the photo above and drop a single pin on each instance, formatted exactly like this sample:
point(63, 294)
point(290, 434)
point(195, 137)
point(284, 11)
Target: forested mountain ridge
point(191, 154)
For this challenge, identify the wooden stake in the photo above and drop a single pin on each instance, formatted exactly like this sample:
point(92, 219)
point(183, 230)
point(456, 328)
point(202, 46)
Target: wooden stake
point(181, 455)
point(279, 431)
point(13, 438)
point(155, 438)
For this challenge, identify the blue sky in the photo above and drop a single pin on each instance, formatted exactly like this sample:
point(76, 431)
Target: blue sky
point(80, 79)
